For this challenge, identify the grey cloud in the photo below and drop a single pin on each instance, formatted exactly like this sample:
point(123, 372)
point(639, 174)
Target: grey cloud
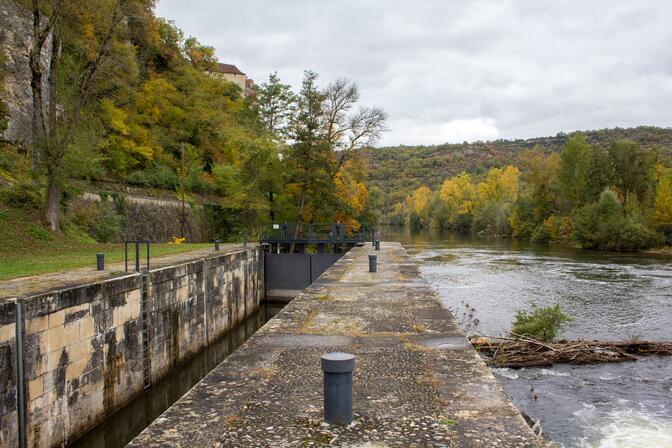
point(459, 69)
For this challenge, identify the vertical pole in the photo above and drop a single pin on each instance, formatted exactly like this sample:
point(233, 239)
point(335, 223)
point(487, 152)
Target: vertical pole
point(373, 263)
point(337, 368)
point(20, 376)
point(125, 256)
point(206, 291)
point(148, 255)
point(100, 262)
point(373, 237)
point(137, 255)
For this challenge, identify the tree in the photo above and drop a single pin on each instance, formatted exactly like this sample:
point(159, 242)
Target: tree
point(633, 168)
point(607, 225)
point(663, 199)
point(573, 172)
point(201, 56)
point(90, 57)
point(346, 131)
point(275, 104)
point(540, 174)
point(309, 160)
point(459, 199)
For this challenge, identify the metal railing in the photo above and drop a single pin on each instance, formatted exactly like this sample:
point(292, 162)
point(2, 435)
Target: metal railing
point(314, 234)
point(137, 254)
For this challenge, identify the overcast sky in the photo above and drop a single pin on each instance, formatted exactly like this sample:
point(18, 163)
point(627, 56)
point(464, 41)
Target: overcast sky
point(455, 70)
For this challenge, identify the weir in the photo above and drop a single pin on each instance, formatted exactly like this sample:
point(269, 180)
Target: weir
point(417, 380)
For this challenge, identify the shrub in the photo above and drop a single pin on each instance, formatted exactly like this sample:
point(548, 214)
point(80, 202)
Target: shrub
point(38, 233)
point(541, 323)
point(159, 176)
point(492, 218)
point(23, 195)
point(107, 224)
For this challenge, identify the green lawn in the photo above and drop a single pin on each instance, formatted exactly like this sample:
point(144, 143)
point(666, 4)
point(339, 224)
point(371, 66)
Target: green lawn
point(27, 248)
point(79, 256)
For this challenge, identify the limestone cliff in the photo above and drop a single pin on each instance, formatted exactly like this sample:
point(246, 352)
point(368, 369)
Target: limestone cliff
point(15, 40)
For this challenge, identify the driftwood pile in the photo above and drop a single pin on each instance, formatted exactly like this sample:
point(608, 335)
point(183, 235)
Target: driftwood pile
point(527, 352)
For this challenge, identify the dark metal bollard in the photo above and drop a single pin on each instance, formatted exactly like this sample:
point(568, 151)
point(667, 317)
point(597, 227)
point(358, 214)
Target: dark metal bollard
point(337, 368)
point(377, 244)
point(100, 262)
point(373, 237)
point(373, 263)
point(216, 244)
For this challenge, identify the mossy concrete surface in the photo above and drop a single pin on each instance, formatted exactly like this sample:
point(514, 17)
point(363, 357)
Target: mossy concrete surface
point(417, 380)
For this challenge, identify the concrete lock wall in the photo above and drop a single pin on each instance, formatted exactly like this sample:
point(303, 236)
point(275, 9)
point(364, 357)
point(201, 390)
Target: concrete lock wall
point(8, 409)
point(85, 352)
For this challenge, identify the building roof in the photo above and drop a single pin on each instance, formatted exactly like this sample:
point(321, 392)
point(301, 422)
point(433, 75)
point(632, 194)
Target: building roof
point(228, 68)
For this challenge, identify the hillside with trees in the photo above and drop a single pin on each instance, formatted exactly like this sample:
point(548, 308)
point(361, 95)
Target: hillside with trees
point(126, 98)
point(613, 197)
point(399, 170)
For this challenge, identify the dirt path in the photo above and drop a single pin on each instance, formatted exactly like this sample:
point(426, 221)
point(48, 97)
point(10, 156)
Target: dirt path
point(27, 286)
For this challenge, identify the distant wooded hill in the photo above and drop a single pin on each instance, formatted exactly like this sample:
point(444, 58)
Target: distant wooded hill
point(399, 170)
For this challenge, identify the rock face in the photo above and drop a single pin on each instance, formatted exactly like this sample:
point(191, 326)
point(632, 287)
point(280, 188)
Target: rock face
point(15, 40)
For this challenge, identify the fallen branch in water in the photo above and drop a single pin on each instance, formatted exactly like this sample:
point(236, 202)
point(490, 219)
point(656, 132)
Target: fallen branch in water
point(527, 352)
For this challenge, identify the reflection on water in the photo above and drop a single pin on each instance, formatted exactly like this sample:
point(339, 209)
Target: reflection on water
point(122, 427)
point(610, 296)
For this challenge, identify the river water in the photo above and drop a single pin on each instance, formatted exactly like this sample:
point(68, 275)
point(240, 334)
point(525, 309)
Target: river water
point(609, 295)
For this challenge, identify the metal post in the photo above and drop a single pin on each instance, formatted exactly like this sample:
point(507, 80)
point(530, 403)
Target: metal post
point(125, 256)
point(377, 244)
point(100, 262)
point(20, 376)
point(373, 263)
point(216, 244)
point(147, 255)
point(337, 368)
point(373, 236)
point(137, 255)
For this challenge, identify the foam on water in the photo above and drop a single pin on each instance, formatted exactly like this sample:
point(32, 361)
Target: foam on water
point(550, 372)
point(625, 426)
point(506, 373)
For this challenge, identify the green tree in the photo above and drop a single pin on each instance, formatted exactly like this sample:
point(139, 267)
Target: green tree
point(574, 171)
point(276, 104)
point(633, 169)
point(607, 225)
point(309, 161)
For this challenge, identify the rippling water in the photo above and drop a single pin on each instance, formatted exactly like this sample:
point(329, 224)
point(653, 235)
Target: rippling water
point(609, 295)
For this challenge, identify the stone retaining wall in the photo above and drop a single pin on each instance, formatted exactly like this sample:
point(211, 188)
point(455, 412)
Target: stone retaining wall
point(85, 352)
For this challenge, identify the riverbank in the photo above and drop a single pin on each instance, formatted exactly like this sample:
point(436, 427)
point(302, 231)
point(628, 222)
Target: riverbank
point(416, 381)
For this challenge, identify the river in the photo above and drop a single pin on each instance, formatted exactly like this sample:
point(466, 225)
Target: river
point(609, 295)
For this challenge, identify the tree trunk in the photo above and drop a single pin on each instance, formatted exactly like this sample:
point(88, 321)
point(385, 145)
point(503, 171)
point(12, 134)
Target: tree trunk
point(53, 206)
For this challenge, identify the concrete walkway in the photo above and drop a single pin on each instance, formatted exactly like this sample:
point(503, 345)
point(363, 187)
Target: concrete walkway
point(417, 381)
point(35, 284)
